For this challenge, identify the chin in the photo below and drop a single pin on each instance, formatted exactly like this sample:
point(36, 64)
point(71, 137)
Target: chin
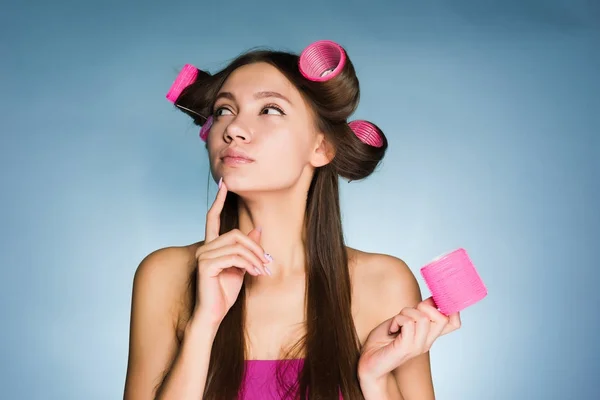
point(250, 188)
point(238, 183)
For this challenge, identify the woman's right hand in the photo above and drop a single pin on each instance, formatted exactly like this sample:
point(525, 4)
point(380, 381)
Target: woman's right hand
point(223, 260)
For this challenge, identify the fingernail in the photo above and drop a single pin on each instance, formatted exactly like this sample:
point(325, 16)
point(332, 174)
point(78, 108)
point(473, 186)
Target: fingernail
point(268, 271)
point(268, 257)
point(258, 270)
point(220, 182)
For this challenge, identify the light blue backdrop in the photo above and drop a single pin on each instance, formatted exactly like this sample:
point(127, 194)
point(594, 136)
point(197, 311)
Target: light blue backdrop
point(492, 113)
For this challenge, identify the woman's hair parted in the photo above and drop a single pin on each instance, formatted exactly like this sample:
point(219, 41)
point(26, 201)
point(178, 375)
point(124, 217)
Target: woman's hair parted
point(330, 345)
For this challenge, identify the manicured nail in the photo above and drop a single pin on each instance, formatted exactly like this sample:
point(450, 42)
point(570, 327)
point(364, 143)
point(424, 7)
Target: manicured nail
point(268, 257)
point(268, 270)
point(220, 182)
point(258, 270)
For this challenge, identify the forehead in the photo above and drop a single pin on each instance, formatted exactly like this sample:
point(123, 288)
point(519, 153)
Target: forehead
point(258, 77)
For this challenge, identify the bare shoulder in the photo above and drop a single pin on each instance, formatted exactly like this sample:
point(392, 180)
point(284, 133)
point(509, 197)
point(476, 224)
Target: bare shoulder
point(158, 299)
point(166, 264)
point(163, 275)
point(383, 285)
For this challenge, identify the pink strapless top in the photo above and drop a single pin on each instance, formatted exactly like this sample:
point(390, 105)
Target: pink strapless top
point(261, 378)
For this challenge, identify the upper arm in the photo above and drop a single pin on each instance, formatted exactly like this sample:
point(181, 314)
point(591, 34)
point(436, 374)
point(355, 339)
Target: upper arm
point(153, 339)
point(401, 289)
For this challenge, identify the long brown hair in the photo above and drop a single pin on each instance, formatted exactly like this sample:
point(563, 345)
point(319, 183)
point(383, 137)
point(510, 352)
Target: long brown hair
point(330, 344)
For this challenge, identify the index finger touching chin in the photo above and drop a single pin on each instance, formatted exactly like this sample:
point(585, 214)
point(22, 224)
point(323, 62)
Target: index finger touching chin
point(213, 216)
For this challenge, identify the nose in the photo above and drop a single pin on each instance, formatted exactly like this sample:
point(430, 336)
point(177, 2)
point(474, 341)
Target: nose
point(236, 131)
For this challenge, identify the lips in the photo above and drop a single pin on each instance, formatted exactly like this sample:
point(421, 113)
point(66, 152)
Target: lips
point(234, 157)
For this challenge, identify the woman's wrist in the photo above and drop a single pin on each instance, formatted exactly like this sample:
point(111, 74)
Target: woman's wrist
point(373, 389)
point(201, 323)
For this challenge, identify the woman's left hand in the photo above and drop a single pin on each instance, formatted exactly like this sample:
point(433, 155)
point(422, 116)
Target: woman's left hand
point(407, 335)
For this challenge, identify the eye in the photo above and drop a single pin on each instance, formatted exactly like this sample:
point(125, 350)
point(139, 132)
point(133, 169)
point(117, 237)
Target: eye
point(272, 109)
point(222, 111)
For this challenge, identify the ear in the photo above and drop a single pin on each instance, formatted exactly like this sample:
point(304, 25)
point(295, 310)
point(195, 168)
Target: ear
point(323, 152)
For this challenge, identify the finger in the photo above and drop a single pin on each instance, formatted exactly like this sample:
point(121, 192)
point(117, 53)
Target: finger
point(237, 249)
point(397, 322)
point(439, 322)
point(213, 216)
point(255, 235)
point(454, 323)
point(236, 236)
point(429, 308)
point(422, 328)
point(214, 266)
point(404, 327)
point(429, 301)
point(404, 342)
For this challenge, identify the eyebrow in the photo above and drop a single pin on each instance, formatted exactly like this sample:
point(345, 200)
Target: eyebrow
point(257, 95)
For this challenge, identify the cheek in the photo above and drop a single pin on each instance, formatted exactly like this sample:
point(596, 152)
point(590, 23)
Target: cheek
point(288, 152)
point(211, 151)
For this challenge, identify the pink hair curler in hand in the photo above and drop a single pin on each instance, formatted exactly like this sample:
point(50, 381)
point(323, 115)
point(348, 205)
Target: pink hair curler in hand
point(453, 282)
point(367, 132)
point(321, 61)
point(186, 77)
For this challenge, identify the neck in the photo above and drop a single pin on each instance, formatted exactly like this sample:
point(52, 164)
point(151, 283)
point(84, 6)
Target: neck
point(280, 215)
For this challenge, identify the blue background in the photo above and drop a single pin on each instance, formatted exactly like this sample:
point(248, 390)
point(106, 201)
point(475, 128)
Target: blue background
point(492, 113)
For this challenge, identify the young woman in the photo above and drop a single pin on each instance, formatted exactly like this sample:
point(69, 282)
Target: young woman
point(272, 303)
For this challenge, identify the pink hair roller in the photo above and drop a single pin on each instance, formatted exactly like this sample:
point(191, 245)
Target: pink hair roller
point(186, 77)
point(453, 282)
point(321, 61)
point(367, 132)
point(206, 128)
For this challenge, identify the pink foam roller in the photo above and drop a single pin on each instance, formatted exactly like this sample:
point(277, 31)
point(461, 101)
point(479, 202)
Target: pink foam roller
point(367, 132)
point(187, 76)
point(322, 61)
point(206, 128)
point(453, 282)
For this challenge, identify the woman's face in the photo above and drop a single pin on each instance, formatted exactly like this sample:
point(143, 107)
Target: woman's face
point(263, 136)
